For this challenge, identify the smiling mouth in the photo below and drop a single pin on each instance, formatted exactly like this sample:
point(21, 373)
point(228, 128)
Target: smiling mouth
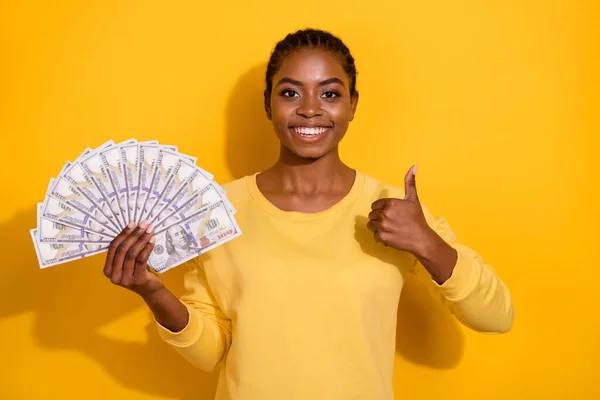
point(310, 131)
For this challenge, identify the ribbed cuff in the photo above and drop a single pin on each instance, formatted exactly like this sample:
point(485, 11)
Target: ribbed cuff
point(188, 335)
point(463, 280)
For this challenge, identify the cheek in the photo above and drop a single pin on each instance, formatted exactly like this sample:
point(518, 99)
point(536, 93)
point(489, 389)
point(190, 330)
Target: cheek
point(340, 115)
point(279, 111)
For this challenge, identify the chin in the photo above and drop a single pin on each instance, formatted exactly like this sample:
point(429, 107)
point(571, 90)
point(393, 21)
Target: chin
point(309, 149)
point(309, 152)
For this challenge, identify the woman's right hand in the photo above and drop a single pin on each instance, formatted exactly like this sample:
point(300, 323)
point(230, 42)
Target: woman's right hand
point(126, 261)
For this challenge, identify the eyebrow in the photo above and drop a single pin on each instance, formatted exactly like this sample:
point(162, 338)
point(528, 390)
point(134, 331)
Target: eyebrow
point(298, 83)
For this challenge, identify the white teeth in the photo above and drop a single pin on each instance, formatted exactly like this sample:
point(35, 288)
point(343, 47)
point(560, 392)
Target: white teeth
point(310, 131)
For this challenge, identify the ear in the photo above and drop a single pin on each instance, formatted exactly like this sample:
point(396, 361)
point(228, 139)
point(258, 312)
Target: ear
point(353, 105)
point(267, 104)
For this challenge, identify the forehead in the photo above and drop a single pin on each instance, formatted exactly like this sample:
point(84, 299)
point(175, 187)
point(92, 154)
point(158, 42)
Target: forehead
point(307, 65)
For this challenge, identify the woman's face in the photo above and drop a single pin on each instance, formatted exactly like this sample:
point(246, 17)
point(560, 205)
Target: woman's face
point(310, 104)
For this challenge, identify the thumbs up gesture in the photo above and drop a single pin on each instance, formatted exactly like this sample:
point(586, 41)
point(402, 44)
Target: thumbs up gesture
point(400, 223)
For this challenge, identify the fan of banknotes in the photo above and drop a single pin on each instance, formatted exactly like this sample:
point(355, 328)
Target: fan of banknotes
point(95, 196)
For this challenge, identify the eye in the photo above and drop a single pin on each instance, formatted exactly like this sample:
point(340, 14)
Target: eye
point(330, 94)
point(289, 93)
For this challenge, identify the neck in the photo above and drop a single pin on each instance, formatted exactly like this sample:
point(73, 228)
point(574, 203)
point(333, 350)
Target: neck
point(299, 174)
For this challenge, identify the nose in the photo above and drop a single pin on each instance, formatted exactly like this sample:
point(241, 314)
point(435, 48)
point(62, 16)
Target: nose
point(309, 107)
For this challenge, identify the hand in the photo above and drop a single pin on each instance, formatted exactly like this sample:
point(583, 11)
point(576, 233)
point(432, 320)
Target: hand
point(400, 223)
point(126, 261)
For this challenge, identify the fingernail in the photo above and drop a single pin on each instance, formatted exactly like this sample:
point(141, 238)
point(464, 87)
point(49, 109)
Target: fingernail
point(131, 225)
point(152, 240)
point(415, 169)
point(150, 229)
point(144, 224)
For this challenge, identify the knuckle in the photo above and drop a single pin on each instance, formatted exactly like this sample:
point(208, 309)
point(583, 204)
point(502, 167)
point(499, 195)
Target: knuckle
point(386, 224)
point(120, 250)
point(140, 261)
point(130, 255)
point(394, 202)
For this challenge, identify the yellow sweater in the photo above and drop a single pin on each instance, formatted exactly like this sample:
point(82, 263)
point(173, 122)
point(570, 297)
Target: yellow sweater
point(303, 306)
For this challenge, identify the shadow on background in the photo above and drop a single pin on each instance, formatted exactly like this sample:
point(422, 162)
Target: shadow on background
point(72, 301)
point(252, 145)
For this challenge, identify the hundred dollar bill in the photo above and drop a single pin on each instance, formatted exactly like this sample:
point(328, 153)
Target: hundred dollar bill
point(76, 175)
point(180, 177)
point(94, 168)
point(208, 195)
point(129, 160)
point(166, 162)
point(197, 234)
point(147, 158)
point(113, 166)
point(55, 232)
point(50, 254)
point(66, 192)
point(50, 230)
point(56, 210)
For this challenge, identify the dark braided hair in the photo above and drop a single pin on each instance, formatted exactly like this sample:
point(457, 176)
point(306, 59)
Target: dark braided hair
point(310, 38)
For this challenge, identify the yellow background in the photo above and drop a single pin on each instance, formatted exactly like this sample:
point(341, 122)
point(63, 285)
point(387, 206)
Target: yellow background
point(496, 101)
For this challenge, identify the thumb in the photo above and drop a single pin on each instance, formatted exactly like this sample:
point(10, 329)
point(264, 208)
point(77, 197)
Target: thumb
point(410, 185)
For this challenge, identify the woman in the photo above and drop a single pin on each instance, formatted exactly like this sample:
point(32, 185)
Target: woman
point(303, 304)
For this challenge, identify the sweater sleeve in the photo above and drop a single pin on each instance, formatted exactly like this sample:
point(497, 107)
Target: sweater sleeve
point(474, 293)
point(205, 339)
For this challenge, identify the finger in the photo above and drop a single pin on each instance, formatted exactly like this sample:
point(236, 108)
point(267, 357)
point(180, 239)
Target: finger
point(379, 204)
point(134, 251)
point(142, 259)
point(376, 215)
point(373, 226)
point(121, 252)
point(113, 248)
point(378, 238)
point(410, 184)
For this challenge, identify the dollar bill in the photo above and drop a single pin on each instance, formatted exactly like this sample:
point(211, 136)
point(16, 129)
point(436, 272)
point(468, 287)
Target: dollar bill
point(179, 179)
point(113, 166)
point(50, 254)
point(76, 175)
point(166, 161)
point(129, 160)
point(56, 210)
point(147, 158)
point(94, 168)
point(56, 232)
point(192, 236)
point(50, 230)
point(208, 195)
point(68, 193)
